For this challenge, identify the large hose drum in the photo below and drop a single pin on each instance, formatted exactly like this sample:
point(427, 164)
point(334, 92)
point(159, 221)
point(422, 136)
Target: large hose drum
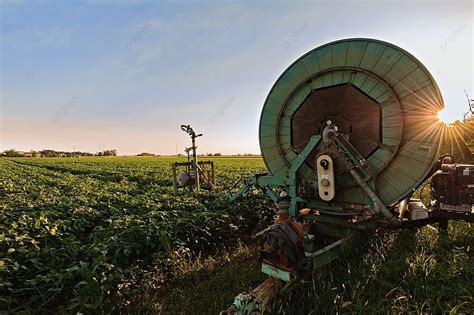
point(377, 94)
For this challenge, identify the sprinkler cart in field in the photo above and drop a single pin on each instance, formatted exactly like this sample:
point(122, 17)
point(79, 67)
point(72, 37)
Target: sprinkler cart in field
point(193, 172)
point(348, 132)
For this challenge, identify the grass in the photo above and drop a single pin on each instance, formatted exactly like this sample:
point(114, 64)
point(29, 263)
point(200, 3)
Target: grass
point(204, 285)
point(412, 271)
point(419, 271)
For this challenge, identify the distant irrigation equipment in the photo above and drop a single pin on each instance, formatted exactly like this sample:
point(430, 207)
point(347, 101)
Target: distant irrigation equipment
point(193, 174)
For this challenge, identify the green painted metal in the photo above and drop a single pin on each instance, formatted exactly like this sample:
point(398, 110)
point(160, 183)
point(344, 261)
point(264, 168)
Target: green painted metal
point(409, 99)
point(276, 272)
point(246, 304)
point(317, 258)
point(293, 174)
point(331, 252)
point(289, 181)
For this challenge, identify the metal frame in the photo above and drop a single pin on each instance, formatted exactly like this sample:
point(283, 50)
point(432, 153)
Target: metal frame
point(193, 166)
point(268, 182)
point(205, 174)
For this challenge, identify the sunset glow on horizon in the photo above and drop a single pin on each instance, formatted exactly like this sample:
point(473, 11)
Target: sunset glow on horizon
point(125, 75)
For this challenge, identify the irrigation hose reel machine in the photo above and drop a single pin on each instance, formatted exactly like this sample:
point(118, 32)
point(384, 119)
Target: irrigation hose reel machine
point(348, 132)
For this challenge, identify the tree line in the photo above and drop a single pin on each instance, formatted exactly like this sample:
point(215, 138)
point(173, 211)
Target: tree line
point(54, 153)
point(458, 140)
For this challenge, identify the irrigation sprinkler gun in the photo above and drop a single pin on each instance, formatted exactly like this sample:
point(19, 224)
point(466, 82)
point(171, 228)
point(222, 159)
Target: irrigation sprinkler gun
point(194, 165)
point(193, 173)
point(347, 139)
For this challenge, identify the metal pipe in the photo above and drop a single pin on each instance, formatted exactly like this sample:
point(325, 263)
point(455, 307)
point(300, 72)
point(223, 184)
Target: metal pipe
point(324, 220)
point(379, 207)
point(195, 162)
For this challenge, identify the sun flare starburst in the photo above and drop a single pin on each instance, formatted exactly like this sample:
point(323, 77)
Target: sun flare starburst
point(444, 117)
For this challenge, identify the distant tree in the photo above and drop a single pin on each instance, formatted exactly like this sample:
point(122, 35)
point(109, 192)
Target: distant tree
point(48, 153)
point(107, 153)
point(458, 140)
point(218, 154)
point(52, 153)
point(11, 153)
point(110, 153)
point(146, 154)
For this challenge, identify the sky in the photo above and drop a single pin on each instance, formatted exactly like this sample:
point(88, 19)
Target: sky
point(96, 75)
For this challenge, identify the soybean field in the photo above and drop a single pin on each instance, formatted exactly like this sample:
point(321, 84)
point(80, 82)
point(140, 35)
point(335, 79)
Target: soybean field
point(107, 235)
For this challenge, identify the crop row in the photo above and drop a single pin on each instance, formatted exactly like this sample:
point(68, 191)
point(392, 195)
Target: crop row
point(71, 239)
point(144, 170)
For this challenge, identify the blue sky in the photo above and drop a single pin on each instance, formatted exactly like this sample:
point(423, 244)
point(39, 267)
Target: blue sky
point(125, 74)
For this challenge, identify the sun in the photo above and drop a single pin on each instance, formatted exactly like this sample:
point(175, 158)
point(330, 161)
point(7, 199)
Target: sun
point(444, 117)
